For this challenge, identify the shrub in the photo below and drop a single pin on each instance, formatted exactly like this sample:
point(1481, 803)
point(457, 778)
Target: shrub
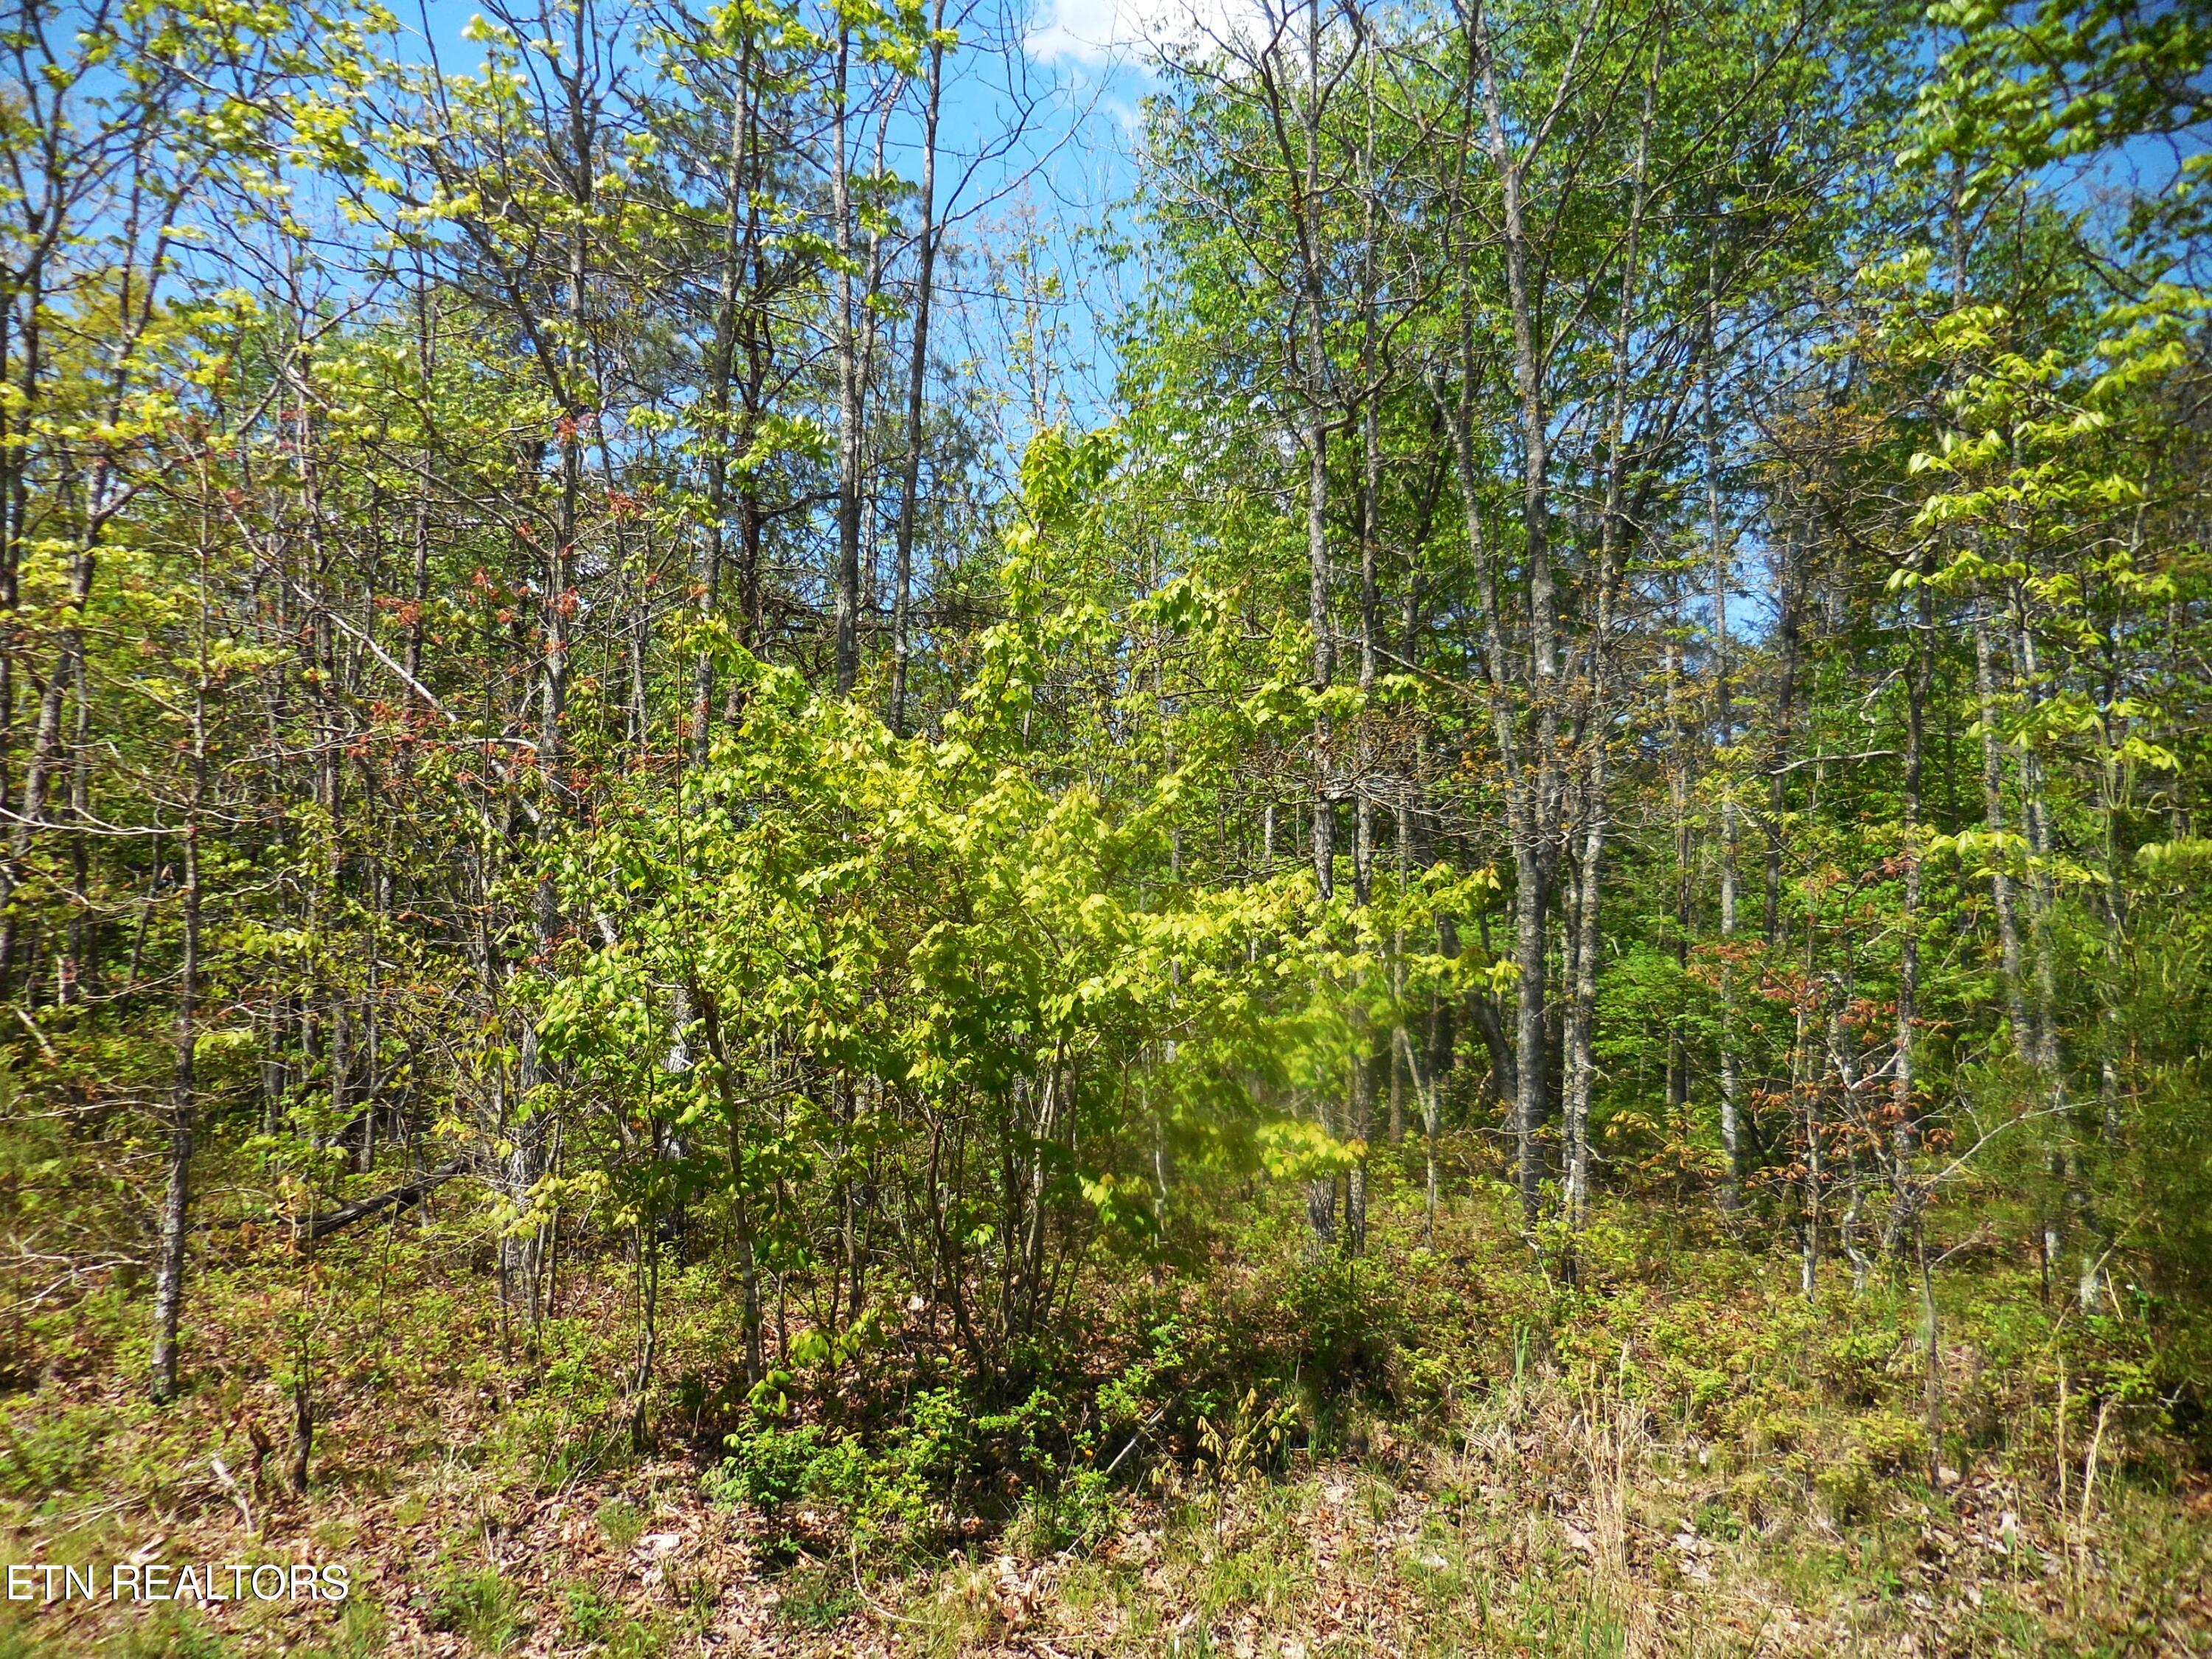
point(592, 1618)
point(1856, 1366)
point(770, 1466)
point(1075, 1513)
point(1348, 1322)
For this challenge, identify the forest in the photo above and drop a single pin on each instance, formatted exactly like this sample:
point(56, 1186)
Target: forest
point(1294, 827)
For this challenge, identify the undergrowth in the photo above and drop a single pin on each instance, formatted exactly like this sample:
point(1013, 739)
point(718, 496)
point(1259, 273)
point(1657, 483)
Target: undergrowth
point(1255, 1446)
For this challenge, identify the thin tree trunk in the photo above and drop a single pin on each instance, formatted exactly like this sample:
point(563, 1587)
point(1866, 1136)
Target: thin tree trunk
point(1724, 723)
point(419, 528)
point(721, 371)
point(1321, 1194)
point(45, 751)
point(1677, 803)
point(1363, 847)
point(846, 598)
point(2026, 1043)
point(917, 375)
point(1903, 1136)
point(1536, 822)
point(1809, 1234)
point(1790, 627)
point(169, 1278)
point(1581, 1007)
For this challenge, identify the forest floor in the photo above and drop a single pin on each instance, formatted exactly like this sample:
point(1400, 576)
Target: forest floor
point(1734, 1472)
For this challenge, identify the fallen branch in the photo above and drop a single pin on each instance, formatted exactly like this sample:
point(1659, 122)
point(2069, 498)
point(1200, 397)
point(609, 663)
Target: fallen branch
point(229, 1483)
point(322, 1226)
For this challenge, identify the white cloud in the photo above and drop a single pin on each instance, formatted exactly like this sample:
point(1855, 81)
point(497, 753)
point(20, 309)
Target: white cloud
point(1094, 32)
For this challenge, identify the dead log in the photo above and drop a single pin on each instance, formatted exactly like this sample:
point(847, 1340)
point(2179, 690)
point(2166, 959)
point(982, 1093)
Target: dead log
point(414, 1192)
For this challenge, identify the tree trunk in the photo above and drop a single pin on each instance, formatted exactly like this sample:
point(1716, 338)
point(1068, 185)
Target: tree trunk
point(1581, 1008)
point(722, 372)
point(2026, 1043)
point(169, 1278)
point(1677, 803)
point(1724, 728)
point(1902, 1136)
point(846, 598)
point(1536, 833)
point(917, 375)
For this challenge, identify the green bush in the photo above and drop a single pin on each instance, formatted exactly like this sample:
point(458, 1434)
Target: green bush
point(1846, 1488)
point(770, 1466)
point(1855, 1365)
point(1348, 1321)
point(1075, 1513)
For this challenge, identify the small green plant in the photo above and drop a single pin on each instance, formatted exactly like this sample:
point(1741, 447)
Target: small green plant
point(770, 1466)
point(1855, 1365)
point(1716, 1519)
point(1076, 1513)
point(819, 1599)
point(172, 1633)
point(1348, 1320)
point(1255, 1436)
point(699, 1594)
point(1846, 1488)
point(588, 1617)
point(935, 1442)
point(362, 1633)
point(485, 1609)
point(622, 1520)
point(883, 1497)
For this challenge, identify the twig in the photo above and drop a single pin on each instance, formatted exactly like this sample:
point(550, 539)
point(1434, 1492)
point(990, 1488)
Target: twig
point(229, 1483)
point(869, 1601)
point(2089, 1474)
point(1141, 1429)
point(1817, 760)
point(32, 1026)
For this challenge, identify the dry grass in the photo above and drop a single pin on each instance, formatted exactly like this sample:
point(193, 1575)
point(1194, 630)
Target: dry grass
point(1564, 1527)
point(1547, 1524)
point(1550, 1507)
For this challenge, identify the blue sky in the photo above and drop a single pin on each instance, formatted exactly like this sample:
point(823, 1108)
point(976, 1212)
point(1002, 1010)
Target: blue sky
point(1082, 62)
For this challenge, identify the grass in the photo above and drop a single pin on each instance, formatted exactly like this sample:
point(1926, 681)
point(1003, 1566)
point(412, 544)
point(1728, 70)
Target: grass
point(1680, 1456)
point(485, 1609)
point(622, 1522)
point(817, 1599)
